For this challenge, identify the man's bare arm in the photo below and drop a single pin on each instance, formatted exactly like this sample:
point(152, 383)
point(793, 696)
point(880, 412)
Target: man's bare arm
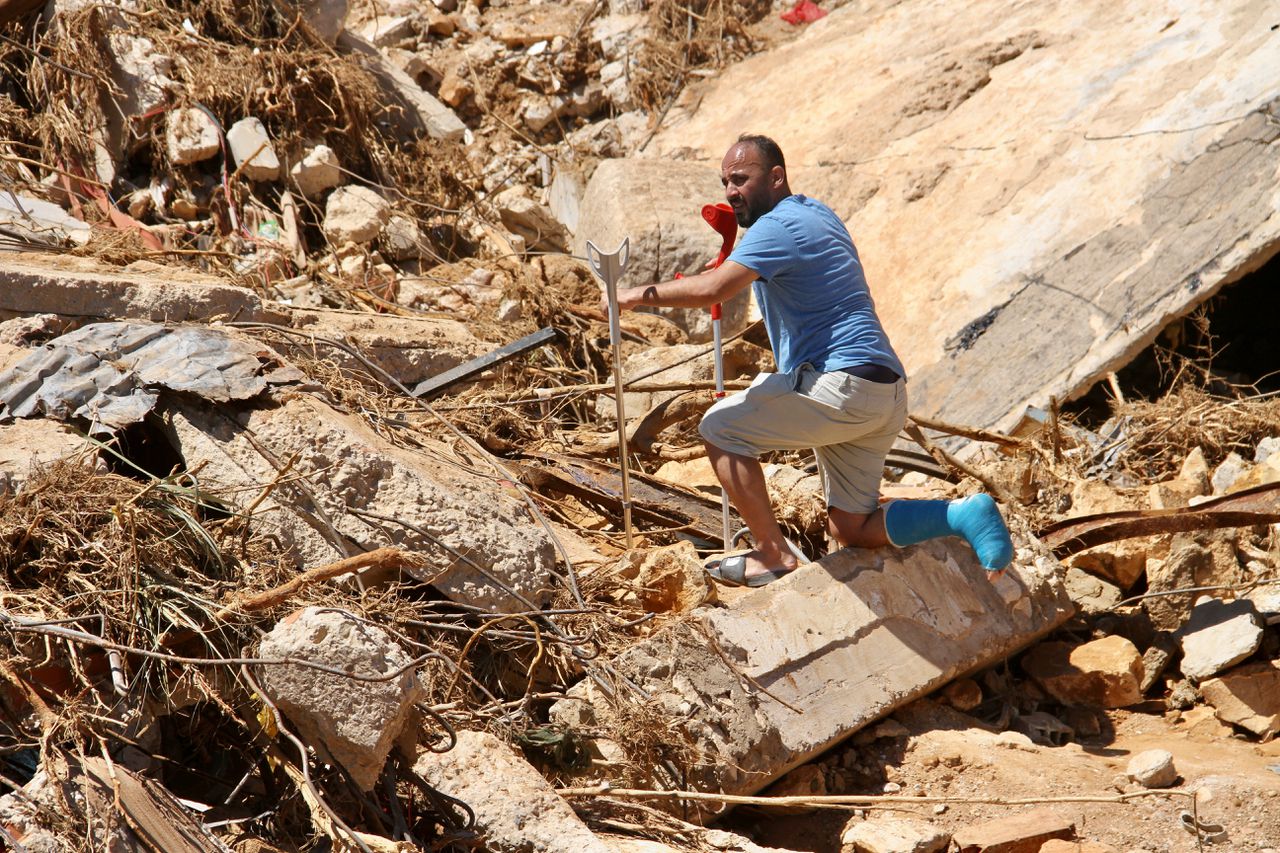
point(698, 291)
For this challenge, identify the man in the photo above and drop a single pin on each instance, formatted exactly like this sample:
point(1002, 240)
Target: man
point(839, 388)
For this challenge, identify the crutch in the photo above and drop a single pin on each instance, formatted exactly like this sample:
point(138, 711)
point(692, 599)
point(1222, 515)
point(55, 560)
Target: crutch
point(610, 268)
point(722, 219)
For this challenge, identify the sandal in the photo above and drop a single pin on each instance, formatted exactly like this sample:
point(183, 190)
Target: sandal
point(733, 570)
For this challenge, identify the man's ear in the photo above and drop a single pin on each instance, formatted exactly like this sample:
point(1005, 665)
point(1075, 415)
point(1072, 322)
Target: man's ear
point(777, 176)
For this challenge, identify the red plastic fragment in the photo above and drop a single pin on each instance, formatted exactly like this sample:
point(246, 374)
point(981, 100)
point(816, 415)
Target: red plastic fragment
point(804, 12)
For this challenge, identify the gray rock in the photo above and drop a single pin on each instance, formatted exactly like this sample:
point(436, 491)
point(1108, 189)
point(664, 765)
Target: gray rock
point(1152, 769)
point(191, 136)
point(326, 17)
point(1090, 594)
point(317, 171)
point(892, 834)
point(354, 214)
point(1228, 471)
point(356, 721)
point(251, 150)
point(1266, 448)
point(1218, 635)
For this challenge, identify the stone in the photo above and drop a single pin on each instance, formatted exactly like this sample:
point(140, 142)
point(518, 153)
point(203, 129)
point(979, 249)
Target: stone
point(1105, 673)
point(1218, 636)
point(317, 171)
point(1266, 448)
point(1247, 696)
point(455, 88)
point(963, 694)
point(1228, 471)
point(354, 214)
point(891, 834)
point(402, 240)
point(41, 221)
point(191, 136)
point(1090, 594)
point(516, 810)
point(526, 218)
point(1152, 769)
point(478, 538)
point(1266, 600)
point(1119, 563)
point(387, 31)
point(251, 150)
point(1023, 832)
point(667, 580)
point(843, 641)
point(325, 17)
point(1194, 560)
point(955, 295)
point(356, 721)
point(663, 221)
point(1154, 661)
point(80, 289)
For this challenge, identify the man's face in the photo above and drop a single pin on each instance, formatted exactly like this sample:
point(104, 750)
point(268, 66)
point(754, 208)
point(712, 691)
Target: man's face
point(748, 186)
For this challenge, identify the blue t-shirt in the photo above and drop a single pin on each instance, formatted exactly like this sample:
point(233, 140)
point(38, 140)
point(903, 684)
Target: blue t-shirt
point(811, 290)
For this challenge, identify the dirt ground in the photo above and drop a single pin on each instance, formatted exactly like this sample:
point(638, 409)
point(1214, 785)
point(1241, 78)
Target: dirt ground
point(949, 754)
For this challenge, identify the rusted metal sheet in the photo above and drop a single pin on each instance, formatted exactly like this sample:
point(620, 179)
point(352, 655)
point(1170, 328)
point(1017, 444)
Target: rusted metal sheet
point(1260, 505)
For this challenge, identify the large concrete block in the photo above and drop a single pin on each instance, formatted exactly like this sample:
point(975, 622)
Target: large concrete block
point(808, 660)
point(351, 490)
point(657, 204)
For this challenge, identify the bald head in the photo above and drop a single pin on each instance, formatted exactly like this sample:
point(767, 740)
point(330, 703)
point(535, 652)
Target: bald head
point(754, 177)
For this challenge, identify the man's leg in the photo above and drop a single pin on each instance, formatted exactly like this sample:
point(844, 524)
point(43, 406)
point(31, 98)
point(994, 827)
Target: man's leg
point(857, 530)
point(742, 478)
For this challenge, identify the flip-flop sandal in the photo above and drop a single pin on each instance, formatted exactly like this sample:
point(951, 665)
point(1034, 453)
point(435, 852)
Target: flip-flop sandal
point(733, 571)
point(743, 532)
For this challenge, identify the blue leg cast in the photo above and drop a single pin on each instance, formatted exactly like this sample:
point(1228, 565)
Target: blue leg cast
point(976, 518)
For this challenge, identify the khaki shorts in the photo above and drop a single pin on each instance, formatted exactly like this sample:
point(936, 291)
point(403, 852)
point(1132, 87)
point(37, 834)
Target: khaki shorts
point(850, 423)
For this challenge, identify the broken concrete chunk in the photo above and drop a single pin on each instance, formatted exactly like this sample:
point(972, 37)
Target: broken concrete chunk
point(420, 111)
point(317, 171)
point(667, 580)
point(388, 31)
point(521, 26)
point(41, 221)
point(1248, 696)
point(1218, 636)
point(357, 721)
point(526, 218)
point(191, 136)
point(28, 445)
point(1018, 833)
point(1105, 673)
point(362, 492)
point(516, 810)
point(402, 239)
point(1227, 472)
point(837, 645)
point(1092, 595)
point(1152, 769)
point(251, 150)
point(354, 214)
point(891, 834)
point(455, 88)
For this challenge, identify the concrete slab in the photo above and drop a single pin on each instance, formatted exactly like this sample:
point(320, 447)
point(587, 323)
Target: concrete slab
point(792, 668)
point(1036, 189)
point(32, 283)
point(350, 490)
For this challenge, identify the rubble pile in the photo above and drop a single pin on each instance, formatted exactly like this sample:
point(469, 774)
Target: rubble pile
point(311, 529)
